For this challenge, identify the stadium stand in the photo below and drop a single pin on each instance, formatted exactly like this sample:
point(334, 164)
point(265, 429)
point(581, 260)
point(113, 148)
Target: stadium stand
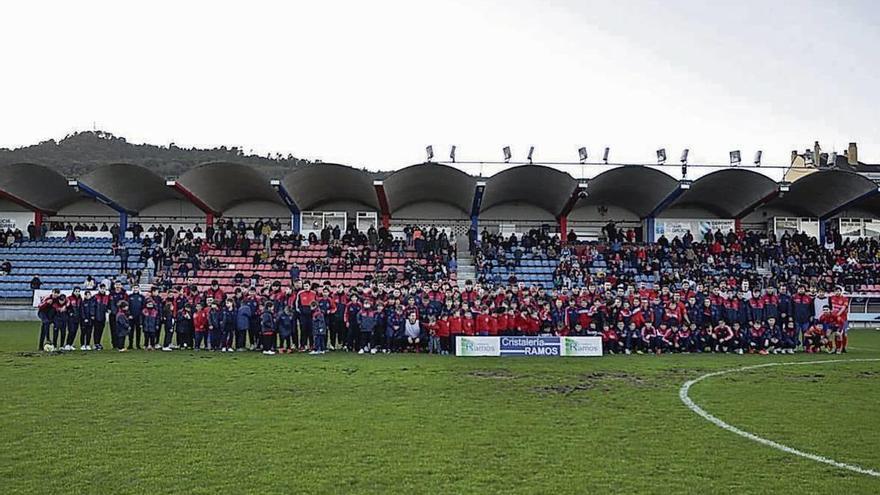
point(62, 264)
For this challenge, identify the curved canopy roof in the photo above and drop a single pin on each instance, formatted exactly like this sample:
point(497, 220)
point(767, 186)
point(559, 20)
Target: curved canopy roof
point(39, 186)
point(132, 186)
point(315, 185)
point(635, 188)
point(543, 187)
point(430, 182)
point(222, 185)
point(819, 193)
point(727, 192)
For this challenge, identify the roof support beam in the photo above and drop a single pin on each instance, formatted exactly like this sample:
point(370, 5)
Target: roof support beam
point(102, 198)
point(210, 213)
point(580, 191)
point(477, 205)
point(781, 188)
point(668, 200)
point(383, 202)
point(24, 204)
point(287, 199)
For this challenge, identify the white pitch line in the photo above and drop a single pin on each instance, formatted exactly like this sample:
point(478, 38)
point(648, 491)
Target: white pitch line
point(683, 395)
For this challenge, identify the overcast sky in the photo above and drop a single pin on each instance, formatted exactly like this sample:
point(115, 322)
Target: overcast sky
point(371, 83)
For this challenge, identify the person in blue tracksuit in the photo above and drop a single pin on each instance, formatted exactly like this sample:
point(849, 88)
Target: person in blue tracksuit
point(286, 323)
point(136, 308)
point(367, 320)
point(243, 317)
point(59, 322)
point(319, 328)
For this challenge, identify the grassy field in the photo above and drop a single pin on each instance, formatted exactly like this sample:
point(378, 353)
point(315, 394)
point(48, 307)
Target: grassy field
point(342, 423)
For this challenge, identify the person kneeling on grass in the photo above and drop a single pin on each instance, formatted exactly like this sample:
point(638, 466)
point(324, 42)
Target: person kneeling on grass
point(412, 333)
point(611, 338)
point(722, 338)
point(123, 328)
point(774, 336)
point(831, 323)
point(789, 337)
point(650, 340)
point(758, 340)
point(814, 338)
point(267, 329)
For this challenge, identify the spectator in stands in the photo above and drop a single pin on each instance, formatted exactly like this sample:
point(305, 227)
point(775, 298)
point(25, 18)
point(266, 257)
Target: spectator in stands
point(5, 267)
point(36, 283)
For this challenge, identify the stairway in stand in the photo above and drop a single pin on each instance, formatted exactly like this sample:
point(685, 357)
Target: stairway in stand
point(466, 268)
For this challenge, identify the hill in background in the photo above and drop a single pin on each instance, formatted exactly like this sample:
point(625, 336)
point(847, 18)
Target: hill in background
point(79, 153)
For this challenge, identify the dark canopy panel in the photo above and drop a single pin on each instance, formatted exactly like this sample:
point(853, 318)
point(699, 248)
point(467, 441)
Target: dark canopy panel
point(223, 185)
point(430, 182)
point(543, 187)
point(634, 188)
point(819, 193)
point(38, 185)
point(132, 186)
point(727, 192)
point(315, 185)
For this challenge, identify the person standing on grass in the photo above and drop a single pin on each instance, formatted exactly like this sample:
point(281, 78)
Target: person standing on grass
point(304, 301)
point(267, 329)
point(185, 327)
point(122, 326)
point(215, 326)
point(73, 317)
point(200, 323)
point(168, 323)
point(150, 321)
point(319, 328)
point(367, 320)
point(136, 309)
point(285, 324)
point(87, 310)
point(46, 313)
point(102, 303)
point(59, 326)
point(229, 326)
point(243, 317)
point(840, 309)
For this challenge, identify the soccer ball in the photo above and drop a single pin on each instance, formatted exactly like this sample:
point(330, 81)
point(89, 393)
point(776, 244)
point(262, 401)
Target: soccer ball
point(49, 348)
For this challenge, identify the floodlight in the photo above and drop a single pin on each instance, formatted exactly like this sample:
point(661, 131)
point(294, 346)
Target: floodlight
point(582, 152)
point(661, 156)
point(430, 152)
point(507, 155)
point(452, 154)
point(605, 155)
point(531, 152)
point(684, 156)
point(735, 158)
point(758, 158)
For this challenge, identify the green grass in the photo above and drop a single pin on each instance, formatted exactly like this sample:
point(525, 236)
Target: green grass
point(245, 423)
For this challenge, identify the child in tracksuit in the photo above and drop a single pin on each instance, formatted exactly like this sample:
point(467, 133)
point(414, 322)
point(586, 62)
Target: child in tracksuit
point(87, 310)
point(367, 319)
point(185, 328)
point(200, 322)
point(122, 326)
point(434, 346)
point(243, 317)
point(229, 326)
point(150, 324)
point(167, 317)
point(267, 329)
point(285, 329)
point(215, 327)
point(319, 329)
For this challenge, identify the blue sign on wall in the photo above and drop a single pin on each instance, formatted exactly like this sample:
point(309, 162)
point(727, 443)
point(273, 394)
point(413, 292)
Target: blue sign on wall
point(530, 346)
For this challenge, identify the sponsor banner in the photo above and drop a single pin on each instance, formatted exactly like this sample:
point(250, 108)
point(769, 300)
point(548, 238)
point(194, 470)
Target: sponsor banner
point(581, 346)
point(477, 346)
point(11, 220)
point(86, 234)
point(528, 346)
point(671, 228)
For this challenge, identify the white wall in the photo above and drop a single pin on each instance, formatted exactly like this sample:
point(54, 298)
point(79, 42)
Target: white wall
point(428, 210)
point(259, 209)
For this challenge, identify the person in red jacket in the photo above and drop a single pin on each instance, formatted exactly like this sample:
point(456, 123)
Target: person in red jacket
point(611, 338)
point(467, 323)
point(840, 309)
point(831, 324)
point(200, 323)
point(443, 334)
point(455, 327)
point(483, 321)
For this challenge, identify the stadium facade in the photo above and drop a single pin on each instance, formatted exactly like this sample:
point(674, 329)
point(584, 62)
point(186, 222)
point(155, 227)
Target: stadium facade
point(518, 198)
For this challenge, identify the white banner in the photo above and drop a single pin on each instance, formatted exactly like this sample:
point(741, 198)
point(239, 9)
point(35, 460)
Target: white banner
point(672, 227)
point(15, 220)
point(528, 346)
